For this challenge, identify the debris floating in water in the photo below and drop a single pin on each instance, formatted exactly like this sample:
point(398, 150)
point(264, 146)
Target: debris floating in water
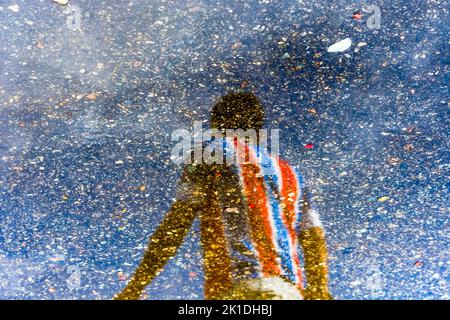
point(312, 111)
point(56, 259)
point(40, 45)
point(91, 96)
point(357, 15)
point(61, 2)
point(408, 147)
point(393, 161)
point(340, 46)
point(383, 199)
point(121, 276)
point(410, 129)
point(14, 8)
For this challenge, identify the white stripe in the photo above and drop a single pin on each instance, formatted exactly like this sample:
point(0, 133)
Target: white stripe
point(293, 247)
point(297, 268)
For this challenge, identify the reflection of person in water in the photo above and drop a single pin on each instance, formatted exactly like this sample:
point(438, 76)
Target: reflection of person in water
point(252, 225)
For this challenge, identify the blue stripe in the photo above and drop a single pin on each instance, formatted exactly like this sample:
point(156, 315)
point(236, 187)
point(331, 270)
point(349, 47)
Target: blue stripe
point(301, 188)
point(270, 175)
point(273, 186)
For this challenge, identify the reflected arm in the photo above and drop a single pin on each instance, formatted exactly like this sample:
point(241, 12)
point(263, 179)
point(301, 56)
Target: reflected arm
point(163, 245)
point(312, 240)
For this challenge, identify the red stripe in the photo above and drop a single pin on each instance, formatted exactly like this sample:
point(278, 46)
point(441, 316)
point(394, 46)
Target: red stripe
point(259, 218)
point(290, 190)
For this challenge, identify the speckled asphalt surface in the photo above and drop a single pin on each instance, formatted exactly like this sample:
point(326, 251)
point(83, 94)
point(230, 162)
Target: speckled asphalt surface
point(90, 93)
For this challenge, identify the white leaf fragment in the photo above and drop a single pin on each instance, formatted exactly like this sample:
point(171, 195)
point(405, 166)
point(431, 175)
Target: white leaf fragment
point(340, 46)
point(14, 8)
point(61, 2)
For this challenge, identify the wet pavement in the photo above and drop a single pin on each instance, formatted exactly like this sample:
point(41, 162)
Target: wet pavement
point(90, 93)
